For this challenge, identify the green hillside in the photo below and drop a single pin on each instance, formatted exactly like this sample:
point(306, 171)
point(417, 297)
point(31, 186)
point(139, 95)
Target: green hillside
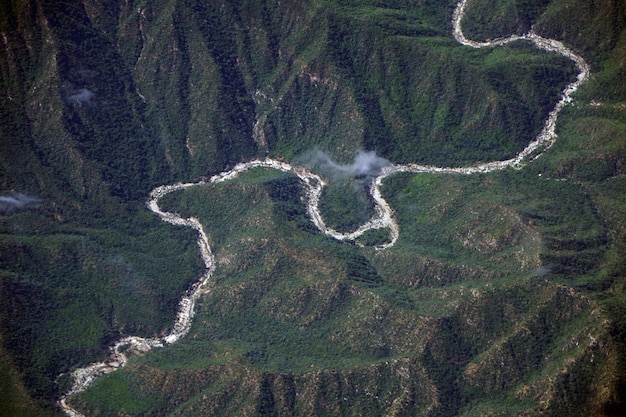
point(504, 294)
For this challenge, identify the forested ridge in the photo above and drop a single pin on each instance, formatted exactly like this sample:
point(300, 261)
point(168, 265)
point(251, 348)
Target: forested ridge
point(504, 294)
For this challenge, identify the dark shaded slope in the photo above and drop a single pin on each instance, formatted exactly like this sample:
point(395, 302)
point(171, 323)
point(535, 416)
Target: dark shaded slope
point(102, 111)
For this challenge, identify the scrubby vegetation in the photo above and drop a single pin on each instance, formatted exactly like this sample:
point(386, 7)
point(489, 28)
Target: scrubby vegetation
point(504, 294)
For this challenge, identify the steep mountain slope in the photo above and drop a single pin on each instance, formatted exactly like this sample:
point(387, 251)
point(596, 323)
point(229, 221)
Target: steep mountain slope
point(504, 294)
point(297, 324)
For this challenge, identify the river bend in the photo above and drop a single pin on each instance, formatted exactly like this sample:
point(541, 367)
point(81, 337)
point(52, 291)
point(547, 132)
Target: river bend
point(383, 217)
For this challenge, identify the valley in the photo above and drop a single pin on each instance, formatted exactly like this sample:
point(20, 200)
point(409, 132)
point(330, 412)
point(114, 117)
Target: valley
point(312, 207)
point(133, 345)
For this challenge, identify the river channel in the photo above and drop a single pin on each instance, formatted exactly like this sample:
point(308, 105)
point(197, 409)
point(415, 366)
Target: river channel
point(383, 218)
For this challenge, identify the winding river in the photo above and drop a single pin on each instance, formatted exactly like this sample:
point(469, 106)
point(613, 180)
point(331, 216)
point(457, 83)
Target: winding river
point(383, 217)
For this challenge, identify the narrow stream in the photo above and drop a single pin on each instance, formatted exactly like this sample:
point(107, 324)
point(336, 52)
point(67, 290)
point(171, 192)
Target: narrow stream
point(383, 218)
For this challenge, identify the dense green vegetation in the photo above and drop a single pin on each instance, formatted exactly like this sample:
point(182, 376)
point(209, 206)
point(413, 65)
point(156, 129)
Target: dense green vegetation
point(70, 291)
point(346, 204)
point(447, 110)
point(501, 18)
point(300, 303)
point(504, 294)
